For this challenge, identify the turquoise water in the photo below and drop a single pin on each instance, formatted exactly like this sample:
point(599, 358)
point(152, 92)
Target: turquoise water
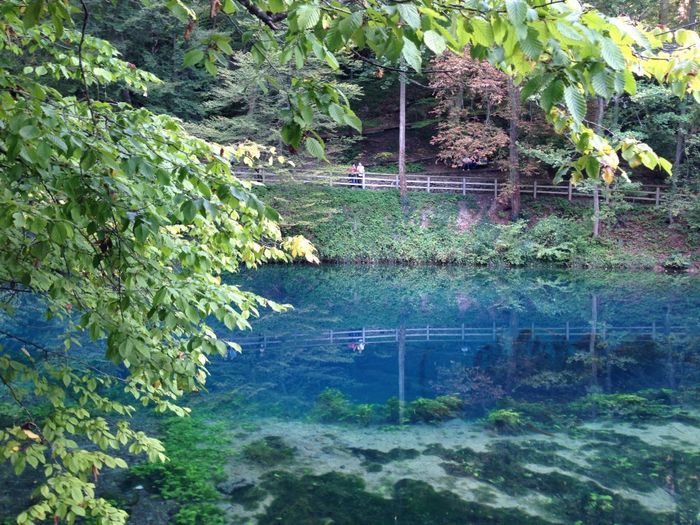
point(444, 396)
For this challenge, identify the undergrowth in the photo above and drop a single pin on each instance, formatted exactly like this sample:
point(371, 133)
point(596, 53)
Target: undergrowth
point(351, 225)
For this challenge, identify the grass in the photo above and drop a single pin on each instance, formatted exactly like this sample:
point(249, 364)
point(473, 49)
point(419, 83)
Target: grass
point(350, 225)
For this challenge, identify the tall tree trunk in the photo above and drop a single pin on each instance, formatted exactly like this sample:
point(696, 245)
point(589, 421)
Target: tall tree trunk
point(677, 159)
point(680, 135)
point(663, 12)
point(514, 173)
point(692, 11)
point(402, 134)
point(600, 113)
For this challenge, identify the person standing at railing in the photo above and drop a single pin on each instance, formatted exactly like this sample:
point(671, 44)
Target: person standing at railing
point(360, 173)
point(352, 174)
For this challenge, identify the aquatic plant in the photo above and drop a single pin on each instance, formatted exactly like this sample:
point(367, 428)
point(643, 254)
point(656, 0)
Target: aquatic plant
point(195, 450)
point(625, 406)
point(269, 451)
point(505, 420)
point(429, 410)
point(332, 406)
point(342, 499)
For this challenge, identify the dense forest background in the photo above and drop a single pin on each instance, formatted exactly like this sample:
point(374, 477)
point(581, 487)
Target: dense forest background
point(458, 108)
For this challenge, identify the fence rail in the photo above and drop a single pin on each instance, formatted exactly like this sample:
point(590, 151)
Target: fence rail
point(462, 332)
point(438, 184)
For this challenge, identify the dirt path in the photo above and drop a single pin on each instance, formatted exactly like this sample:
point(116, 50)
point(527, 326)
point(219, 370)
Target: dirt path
point(468, 217)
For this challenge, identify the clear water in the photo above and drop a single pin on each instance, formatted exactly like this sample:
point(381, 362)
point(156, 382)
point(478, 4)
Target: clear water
point(577, 399)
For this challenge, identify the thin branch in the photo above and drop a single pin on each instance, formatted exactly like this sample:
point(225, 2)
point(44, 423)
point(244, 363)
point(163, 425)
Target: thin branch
point(270, 20)
point(86, 17)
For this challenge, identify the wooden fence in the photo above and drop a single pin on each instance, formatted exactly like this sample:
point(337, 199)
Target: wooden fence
point(440, 184)
point(564, 332)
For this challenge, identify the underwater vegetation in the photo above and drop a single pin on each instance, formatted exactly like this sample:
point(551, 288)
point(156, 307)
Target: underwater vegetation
point(194, 449)
point(342, 499)
point(332, 406)
point(505, 421)
point(269, 451)
point(568, 497)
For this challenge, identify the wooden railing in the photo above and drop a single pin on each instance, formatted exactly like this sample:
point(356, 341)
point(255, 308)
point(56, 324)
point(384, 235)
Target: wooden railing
point(438, 184)
point(564, 332)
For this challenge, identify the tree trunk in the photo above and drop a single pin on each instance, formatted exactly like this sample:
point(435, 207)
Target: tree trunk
point(514, 173)
point(402, 134)
point(600, 113)
point(596, 210)
point(692, 11)
point(663, 12)
point(677, 159)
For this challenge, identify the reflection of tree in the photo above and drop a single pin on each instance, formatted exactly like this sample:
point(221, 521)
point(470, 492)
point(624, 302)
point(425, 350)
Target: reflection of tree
point(472, 384)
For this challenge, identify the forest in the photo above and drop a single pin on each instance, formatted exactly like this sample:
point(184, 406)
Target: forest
point(155, 154)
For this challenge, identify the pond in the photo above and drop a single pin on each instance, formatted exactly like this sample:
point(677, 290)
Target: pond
point(443, 396)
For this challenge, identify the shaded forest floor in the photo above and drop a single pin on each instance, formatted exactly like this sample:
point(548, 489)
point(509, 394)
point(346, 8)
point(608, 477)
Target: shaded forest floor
point(347, 225)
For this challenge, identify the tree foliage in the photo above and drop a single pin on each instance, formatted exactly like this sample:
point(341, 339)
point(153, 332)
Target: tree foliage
point(123, 225)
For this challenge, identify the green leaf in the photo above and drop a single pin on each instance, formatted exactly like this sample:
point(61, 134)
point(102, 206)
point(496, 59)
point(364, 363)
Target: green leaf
point(193, 56)
point(532, 46)
point(32, 13)
point(29, 132)
point(411, 54)
point(350, 24)
point(307, 16)
point(315, 148)
point(666, 166)
point(612, 54)
point(434, 41)
point(410, 15)
point(575, 103)
point(552, 95)
point(599, 80)
point(517, 11)
point(482, 32)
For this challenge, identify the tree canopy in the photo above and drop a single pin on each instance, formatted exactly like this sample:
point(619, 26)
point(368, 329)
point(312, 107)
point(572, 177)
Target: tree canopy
point(123, 224)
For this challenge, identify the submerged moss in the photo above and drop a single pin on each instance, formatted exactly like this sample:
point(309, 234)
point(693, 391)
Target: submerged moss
point(377, 457)
point(342, 499)
point(269, 451)
point(429, 410)
point(504, 465)
point(505, 421)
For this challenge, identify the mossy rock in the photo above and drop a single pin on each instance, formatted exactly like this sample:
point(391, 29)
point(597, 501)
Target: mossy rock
point(269, 451)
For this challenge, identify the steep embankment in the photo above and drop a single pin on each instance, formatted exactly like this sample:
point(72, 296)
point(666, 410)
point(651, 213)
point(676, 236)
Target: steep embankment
point(370, 226)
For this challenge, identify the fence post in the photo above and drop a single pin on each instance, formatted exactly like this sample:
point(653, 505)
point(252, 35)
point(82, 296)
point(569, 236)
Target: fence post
point(464, 185)
point(495, 188)
point(263, 176)
point(534, 190)
point(428, 183)
point(658, 196)
point(363, 180)
point(571, 190)
point(397, 181)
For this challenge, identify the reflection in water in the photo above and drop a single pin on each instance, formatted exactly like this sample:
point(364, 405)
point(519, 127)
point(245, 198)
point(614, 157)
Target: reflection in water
point(375, 335)
point(431, 396)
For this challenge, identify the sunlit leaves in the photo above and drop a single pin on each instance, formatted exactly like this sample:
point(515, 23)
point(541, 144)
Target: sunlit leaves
point(411, 54)
point(307, 16)
point(612, 54)
point(575, 103)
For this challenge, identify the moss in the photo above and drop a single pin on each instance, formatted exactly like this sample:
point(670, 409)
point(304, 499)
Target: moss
point(269, 451)
point(372, 456)
point(503, 465)
point(505, 421)
point(248, 496)
point(342, 499)
point(428, 410)
point(190, 475)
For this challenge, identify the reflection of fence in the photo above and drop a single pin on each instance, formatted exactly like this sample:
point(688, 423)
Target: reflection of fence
point(483, 334)
point(437, 184)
